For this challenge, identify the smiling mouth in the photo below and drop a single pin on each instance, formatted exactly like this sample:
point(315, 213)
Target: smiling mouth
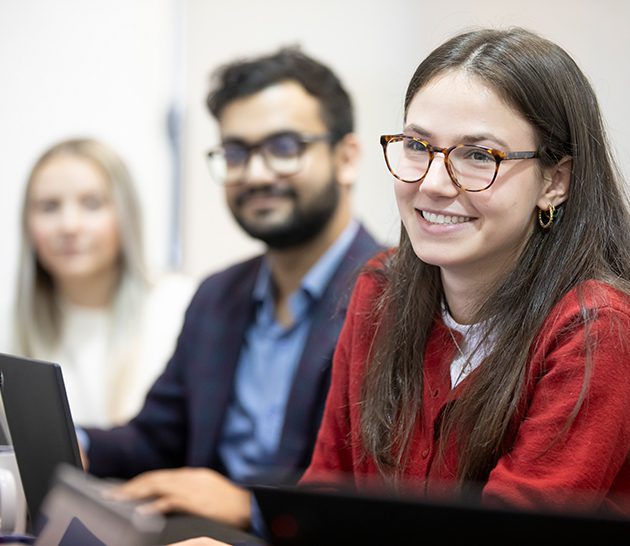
point(444, 219)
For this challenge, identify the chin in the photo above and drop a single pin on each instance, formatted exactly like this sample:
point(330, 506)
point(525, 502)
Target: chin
point(430, 258)
point(420, 250)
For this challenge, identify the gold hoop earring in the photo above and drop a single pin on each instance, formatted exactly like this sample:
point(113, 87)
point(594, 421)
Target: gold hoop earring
point(550, 214)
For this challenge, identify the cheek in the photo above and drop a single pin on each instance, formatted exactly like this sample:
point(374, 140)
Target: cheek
point(230, 197)
point(234, 210)
point(405, 194)
point(317, 171)
point(107, 232)
point(507, 221)
point(39, 233)
point(512, 207)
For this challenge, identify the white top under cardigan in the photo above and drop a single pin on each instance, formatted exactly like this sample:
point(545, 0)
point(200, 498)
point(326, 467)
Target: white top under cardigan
point(470, 352)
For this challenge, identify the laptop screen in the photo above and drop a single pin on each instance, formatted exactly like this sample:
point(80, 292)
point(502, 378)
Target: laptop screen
point(40, 424)
point(298, 516)
point(44, 437)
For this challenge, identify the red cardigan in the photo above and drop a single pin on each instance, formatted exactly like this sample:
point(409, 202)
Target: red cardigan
point(590, 462)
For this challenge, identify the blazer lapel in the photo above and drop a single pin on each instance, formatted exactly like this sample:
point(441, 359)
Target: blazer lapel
point(218, 362)
point(311, 384)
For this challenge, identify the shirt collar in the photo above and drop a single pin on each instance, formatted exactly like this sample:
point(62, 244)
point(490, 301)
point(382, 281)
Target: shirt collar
point(316, 280)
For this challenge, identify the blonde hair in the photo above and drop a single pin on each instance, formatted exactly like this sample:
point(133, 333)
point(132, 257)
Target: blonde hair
point(37, 312)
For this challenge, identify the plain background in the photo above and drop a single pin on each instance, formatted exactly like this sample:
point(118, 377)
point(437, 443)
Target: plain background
point(118, 70)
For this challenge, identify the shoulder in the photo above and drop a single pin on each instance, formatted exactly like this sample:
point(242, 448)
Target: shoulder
point(589, 300)
point(167, 300)
point(592, 312)
point(372, 281)
point(231, 283)
point(234, 273)
point(364, 244)
point(173, 287)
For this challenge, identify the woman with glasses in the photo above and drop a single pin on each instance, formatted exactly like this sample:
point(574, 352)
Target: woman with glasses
point(489, 352)
point(84, 297)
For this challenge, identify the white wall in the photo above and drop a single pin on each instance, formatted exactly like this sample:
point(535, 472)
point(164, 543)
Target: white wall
point(101, 68)
point(110, 68)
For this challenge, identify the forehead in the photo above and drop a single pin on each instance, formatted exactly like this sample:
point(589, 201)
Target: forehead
point(68, 173)
point(456, 104)
point(279, 107)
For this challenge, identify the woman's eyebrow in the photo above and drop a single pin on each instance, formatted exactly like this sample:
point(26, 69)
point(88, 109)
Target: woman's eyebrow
point(461, 139)
point(413, 128)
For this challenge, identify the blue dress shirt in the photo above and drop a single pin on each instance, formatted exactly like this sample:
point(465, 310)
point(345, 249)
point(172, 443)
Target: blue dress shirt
point(267, 365)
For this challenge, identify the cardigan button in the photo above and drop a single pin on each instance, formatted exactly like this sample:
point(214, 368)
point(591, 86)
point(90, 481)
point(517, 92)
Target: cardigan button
point(425, 453)
point(436, 393)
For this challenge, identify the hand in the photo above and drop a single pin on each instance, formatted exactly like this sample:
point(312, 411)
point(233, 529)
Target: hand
point(85, 462)
point(203, 541)
point(198, 491)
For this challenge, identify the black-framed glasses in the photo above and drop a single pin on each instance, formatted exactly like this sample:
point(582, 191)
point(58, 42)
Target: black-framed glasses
point(471, 168)
point(281, 152)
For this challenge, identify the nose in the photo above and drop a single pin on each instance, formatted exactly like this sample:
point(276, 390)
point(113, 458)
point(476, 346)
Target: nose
point(70, 218)
point(256, 170)
point(438, 182)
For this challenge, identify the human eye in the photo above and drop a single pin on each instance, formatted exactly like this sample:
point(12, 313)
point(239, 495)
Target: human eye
point(235, 154)
point(46, 206)
point(413, 146)
point(283, 145)
point(476, 155)
point(92, 202)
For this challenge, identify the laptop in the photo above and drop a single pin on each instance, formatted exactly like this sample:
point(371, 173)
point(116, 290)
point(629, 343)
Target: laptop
point(40, 424)
point(76, 512)
point(43, 437)
point(299, 516)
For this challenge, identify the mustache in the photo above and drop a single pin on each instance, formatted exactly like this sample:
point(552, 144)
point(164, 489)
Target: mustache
point(272, 190)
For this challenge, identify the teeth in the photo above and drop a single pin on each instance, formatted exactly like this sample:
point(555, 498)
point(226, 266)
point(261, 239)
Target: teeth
point(441, 219)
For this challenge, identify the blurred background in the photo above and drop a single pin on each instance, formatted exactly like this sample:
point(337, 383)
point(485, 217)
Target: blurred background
point(135, 74)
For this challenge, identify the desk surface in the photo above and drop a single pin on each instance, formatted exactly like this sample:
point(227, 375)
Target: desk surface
point(182, 526)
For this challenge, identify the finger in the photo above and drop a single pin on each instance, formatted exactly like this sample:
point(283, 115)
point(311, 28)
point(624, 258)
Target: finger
point(203, 541)
point(163, 505)
point(132, 491)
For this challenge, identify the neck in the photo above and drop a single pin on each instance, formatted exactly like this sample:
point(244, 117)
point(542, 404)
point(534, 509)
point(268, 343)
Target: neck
point(466, 288)
point(290, 265)
point(465, 294)
point(96, 291)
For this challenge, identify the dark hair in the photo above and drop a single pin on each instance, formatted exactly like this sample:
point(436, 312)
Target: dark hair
point(246, 77)
point(589, 240)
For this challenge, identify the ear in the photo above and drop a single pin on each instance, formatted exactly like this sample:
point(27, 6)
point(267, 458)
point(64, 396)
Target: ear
point(346, 158)
point(556, 183)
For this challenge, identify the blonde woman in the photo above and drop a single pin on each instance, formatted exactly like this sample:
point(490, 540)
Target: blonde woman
point(84, 298)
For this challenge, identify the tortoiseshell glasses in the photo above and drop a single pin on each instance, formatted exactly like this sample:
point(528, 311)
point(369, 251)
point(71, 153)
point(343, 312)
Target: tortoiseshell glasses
point(471, 168)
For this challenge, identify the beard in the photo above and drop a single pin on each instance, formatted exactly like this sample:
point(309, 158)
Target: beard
point(304, 223)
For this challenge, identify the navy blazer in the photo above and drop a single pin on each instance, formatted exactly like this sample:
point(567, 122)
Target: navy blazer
point(183, 414)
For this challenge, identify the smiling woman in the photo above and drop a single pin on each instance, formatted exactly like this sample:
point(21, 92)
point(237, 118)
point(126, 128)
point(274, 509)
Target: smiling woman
point(488, 353)
point(84, 298)
point(474, 235)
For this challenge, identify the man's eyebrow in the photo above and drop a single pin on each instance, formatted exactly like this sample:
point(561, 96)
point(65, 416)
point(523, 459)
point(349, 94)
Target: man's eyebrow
point(232, 140)
point(229, 139)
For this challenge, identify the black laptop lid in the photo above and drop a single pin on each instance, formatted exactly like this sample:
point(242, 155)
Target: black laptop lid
point(298, 516)
point(40, 423)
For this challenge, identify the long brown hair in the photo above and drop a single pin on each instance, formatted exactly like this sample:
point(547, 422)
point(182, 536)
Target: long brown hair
point(589, 240)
